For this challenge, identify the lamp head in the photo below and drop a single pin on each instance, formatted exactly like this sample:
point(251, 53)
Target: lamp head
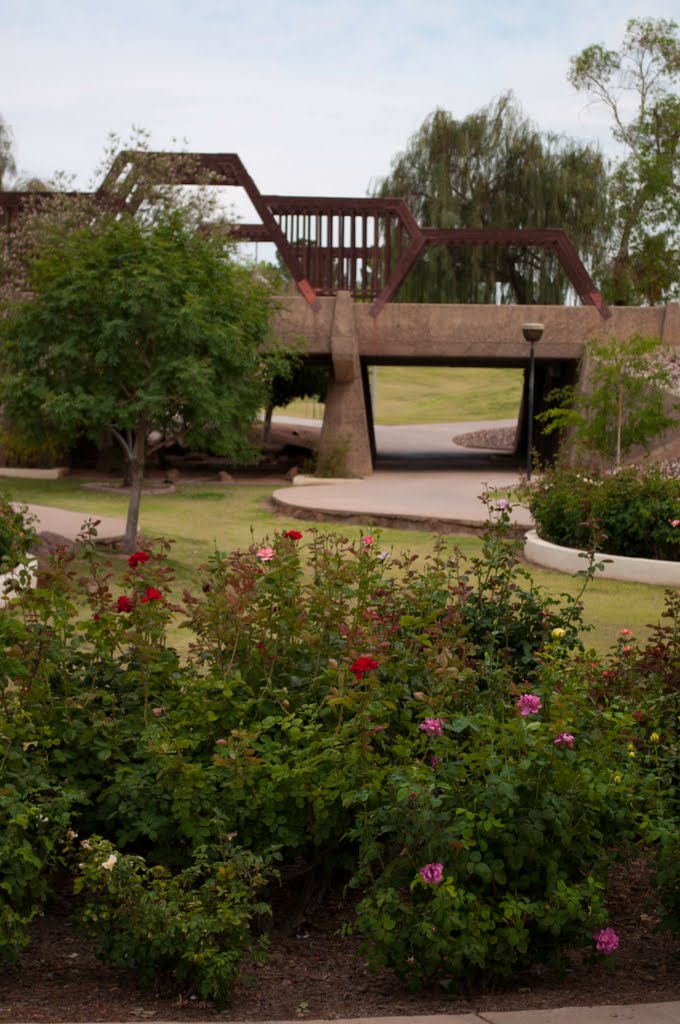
point(532, 332)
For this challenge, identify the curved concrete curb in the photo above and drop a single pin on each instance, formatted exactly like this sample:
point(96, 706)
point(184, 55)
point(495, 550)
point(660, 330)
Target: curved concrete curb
point(617, 567)
point(390, 520)
point(20, 473)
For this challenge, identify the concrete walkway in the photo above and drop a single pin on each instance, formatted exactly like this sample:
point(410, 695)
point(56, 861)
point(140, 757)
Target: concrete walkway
point(642, 1013)
point(423, 480)
point(69, 524)
point(441, 500)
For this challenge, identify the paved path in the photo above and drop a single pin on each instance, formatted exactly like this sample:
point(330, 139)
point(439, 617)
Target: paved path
point(643, 1013)
point(69, 524)
point(423, 480)
point(437, 500)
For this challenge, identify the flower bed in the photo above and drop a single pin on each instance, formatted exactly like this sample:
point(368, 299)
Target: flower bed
point(633, 512)
point(432, 736)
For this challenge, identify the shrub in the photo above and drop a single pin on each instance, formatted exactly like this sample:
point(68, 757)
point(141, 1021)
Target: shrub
point(517, 804)
point(630, 512)
point(344, 717)
point(16, 533)
point(191, 926)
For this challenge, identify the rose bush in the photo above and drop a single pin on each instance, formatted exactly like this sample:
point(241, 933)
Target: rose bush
point(629, 512)
point(16, 534)
point(433, 735)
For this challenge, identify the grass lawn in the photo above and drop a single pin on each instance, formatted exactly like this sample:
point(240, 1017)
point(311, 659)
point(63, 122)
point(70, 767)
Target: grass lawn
point(199, 518)
point(429, 394)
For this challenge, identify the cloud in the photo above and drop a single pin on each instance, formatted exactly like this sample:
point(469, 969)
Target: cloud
point(316, 97)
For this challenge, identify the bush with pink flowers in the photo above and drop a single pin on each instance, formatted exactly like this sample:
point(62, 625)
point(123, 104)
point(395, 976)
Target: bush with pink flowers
point(432, 735)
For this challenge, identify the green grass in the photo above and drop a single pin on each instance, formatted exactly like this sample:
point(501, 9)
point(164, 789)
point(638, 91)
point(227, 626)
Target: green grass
point(201, 517)
point(428, 394)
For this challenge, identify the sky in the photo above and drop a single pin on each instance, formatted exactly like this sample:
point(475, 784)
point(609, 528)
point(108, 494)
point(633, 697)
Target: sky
point(316, 97)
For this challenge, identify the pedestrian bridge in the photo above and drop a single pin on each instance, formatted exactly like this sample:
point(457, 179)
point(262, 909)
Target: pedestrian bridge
point(343, 333)
point(348, 258)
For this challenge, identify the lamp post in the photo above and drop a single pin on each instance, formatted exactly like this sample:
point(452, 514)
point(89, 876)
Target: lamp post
point(533, 334)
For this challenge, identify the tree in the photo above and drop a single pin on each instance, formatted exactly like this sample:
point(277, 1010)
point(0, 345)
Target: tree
point(627, 401)
point(7, 165)
point(494, 169)
point(131, 324)
point(635, 83)
point(304, 379)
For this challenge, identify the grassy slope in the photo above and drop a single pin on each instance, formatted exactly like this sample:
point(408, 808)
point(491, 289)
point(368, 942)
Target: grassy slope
point(200, 518)
point(428, 394)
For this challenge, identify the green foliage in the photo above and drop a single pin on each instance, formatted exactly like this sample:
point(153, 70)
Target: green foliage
point(495, 169)
point(16, 533)
point(133, 322)
point(343, 717)
point(630, 513)
point(192, 925)
point(644, 185)
point(130, 325)
point(627, 401)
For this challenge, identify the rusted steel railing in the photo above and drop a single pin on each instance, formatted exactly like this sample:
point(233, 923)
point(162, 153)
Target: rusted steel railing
point(364, 246)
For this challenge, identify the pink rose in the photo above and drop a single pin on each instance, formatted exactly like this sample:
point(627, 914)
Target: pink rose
point(529, 704)
point(432, 874)
point(432, 727)
point(565, 739)
point(606, 940)
point(265, 554)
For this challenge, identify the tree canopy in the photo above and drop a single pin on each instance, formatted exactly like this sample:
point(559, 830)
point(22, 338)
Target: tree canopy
point(628, 399)
point(129, 324)
point(636, 85)
point(495, 169)
point(7, 164)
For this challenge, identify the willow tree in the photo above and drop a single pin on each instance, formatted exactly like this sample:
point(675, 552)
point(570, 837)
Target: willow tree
point(495, 169)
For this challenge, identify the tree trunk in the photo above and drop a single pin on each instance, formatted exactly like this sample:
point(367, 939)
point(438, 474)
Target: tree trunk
point(619, 419)
point(267, 423)
point(136, 466)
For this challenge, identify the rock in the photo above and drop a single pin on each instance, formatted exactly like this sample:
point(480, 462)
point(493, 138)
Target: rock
point(225, 477)
point(292, 473)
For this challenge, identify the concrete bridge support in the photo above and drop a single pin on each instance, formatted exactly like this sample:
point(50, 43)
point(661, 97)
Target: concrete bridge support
point(344, 445)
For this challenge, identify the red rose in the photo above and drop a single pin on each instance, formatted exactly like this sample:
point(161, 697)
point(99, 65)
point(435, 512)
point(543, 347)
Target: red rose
point(123, 604)
point(293, 535)
point(361, 665)
point(152, 595)
point(139, 556)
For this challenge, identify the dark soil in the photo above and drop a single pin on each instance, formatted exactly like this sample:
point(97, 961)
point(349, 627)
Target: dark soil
point(316, 974)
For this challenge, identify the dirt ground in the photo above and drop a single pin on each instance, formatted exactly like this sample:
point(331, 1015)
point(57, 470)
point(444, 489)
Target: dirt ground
point(316, 974)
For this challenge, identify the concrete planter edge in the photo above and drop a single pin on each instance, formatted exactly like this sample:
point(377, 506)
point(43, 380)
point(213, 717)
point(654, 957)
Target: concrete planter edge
point(617, 567)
